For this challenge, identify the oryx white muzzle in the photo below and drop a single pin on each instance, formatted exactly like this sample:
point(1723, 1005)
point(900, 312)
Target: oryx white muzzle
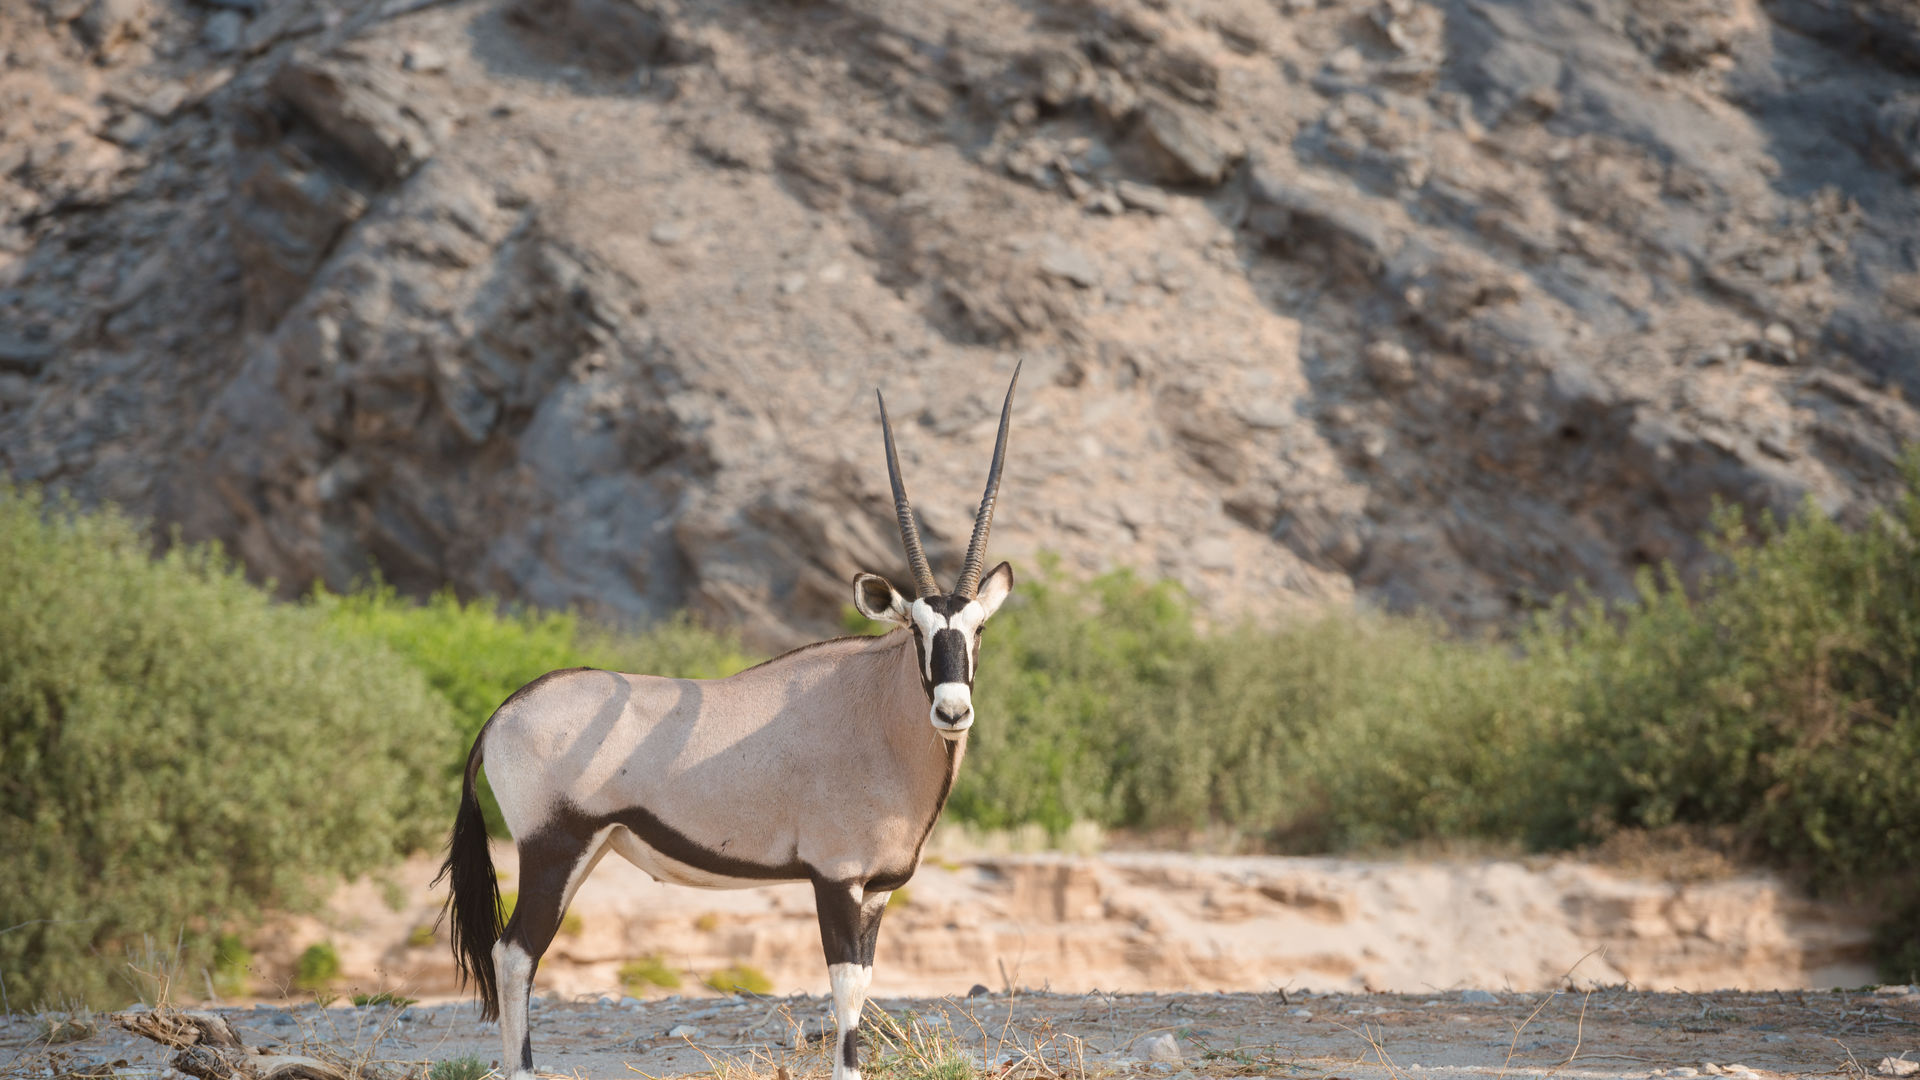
point(952, 711)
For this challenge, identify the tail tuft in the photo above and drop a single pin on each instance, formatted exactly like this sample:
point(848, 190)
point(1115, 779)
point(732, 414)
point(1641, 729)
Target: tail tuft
point(474, 901)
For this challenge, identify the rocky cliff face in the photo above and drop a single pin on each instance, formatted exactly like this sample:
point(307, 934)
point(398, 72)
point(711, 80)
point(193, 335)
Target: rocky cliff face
point(1446, 304)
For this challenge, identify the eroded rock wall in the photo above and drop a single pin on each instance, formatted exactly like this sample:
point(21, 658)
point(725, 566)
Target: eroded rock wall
point(1139, 922)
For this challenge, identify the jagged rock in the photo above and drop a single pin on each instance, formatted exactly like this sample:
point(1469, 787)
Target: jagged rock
point(364, 107)
point(1187, 146)
point(23, 356)
point(108, 25)
point(287, 210)
point(613, 36)
point(338, 130)
point(1290, 208)
point(1896, 134)
point(1888, 28)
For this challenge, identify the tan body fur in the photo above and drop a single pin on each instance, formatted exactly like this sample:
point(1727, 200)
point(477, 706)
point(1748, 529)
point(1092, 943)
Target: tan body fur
point(789, 731)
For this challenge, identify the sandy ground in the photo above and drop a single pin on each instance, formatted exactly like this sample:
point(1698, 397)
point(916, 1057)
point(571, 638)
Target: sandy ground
point(1608, 1032)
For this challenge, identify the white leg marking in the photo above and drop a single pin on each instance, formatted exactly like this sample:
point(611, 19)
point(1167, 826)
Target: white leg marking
point(515, 970)
point(850, 982)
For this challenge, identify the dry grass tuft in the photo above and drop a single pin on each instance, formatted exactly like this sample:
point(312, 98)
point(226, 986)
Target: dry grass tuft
point(1680, 854)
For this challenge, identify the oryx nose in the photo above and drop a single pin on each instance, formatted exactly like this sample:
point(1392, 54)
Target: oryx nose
point(952, 706)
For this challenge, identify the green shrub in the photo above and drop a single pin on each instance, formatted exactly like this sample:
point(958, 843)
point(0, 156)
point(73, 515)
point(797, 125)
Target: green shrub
point(1783, 702)
point(637, 975)
point(181, 752)
point(475, 654)
point(739, 979)
point(1101, 702)
point(318, 965)
point(464, 1068)
point(383, 999)
point(232, 964)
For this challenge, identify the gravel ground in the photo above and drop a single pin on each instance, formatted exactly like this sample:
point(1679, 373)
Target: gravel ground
point(1606, 1032)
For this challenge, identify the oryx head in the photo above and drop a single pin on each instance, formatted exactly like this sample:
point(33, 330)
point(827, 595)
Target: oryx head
point(946, 626)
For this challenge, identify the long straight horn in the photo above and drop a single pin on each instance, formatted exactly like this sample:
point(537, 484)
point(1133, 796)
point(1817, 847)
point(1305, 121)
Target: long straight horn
point(909, 532)
point(983, 520)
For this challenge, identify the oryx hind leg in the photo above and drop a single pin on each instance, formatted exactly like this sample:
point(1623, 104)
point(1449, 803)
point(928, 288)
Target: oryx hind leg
point(849, 930)
point(553, 862)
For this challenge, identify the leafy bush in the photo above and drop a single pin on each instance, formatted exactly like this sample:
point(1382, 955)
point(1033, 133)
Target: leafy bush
point(1101, 702)
point(318, 965)
point(739, 979)
point(180, 751)
point(1785, 702)
point(232, 964)
point(475, 654)
point(637, 975)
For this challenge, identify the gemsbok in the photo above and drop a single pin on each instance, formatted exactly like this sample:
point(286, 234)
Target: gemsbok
point(818, 766)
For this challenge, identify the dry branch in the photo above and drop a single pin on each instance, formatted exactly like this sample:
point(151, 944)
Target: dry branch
point(210, 1050)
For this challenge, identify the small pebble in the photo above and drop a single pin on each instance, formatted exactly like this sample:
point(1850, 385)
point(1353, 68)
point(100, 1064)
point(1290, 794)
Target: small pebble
point(684, 1031)
point(424, 59)
point(1161, 1048)
point(1304, 1014)
point(1478, 997)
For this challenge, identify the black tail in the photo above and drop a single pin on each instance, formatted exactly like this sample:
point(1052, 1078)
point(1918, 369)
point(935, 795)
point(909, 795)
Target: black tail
point(475, 899)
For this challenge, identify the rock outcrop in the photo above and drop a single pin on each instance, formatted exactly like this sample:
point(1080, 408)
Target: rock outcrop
point(1449, 304)
point(1150, 922)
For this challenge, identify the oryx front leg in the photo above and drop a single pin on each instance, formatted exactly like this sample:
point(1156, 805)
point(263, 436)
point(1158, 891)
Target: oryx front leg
point(849, 926)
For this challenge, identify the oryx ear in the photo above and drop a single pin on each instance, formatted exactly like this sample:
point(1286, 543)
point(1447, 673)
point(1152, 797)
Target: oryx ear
point(878, 600)
point(994, 588)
